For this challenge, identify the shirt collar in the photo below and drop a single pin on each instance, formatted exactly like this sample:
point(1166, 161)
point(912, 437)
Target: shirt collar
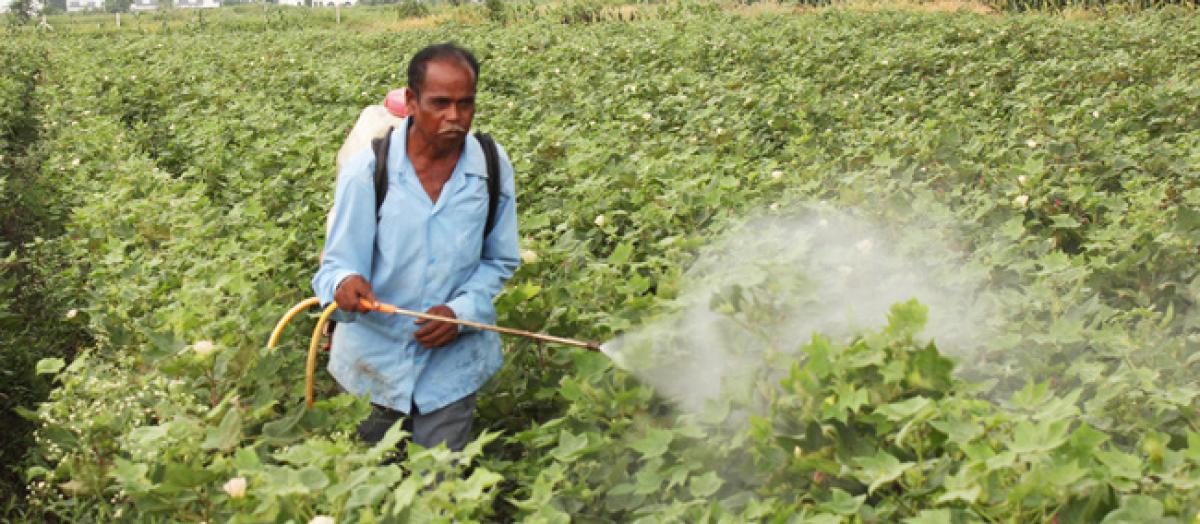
point(472, 161)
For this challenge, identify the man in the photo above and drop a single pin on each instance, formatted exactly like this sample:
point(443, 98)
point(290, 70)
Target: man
point(425, 251)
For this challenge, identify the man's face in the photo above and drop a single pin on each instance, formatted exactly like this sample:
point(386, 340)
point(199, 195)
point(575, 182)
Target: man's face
point(443, 110)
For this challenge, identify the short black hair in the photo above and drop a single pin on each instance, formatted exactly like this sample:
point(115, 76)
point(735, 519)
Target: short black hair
point(420, 62)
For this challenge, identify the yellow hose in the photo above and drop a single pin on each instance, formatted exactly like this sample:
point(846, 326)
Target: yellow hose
point(287, 317)
point(310, 367)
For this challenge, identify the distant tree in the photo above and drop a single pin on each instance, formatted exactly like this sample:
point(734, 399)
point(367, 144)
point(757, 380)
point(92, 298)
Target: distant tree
point(22, 11)
point(117, 6)
point(55, 6)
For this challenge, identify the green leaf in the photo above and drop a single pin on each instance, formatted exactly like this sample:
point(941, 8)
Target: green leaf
point(960, 432)
point(366, 495)
point(227, 435)
point(283, 430)
point(131, 475)
point(246, 460)
point(50, 366)
point(405, 494)
point(930, 516)
point(314, 479)
point(879, 469)
point(1040, 437)
point(898, 411)
point(621, 254)
point(906, 319)
point(705, 486)
point(184, 476)
point(1121, 465)
point(570, 446)
point(480, 480)
point(654, 443)
point(842, 503)
point(1137, 509)
point(930, 370)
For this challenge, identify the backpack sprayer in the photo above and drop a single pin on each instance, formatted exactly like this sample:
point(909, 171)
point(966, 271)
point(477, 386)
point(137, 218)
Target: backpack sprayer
point(310, 366)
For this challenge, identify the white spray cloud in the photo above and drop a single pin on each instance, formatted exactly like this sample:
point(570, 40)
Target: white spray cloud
point(772, 283)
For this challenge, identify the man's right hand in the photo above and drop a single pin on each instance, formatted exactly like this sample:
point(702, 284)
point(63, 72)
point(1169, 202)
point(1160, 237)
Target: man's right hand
point(352, 289)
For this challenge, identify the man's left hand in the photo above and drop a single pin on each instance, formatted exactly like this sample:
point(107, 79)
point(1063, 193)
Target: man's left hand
point(435, 333)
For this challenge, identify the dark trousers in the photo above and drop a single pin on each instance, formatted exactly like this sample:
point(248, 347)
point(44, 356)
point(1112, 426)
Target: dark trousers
point(449, 425)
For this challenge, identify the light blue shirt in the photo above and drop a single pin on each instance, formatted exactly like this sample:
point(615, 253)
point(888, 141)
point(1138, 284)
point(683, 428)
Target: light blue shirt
point(418, 255)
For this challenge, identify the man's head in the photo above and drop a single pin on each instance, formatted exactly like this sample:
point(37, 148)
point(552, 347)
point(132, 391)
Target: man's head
point(441, 94)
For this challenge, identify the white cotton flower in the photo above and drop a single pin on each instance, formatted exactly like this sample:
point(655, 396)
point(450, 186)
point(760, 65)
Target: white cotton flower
point(600, 220)
point(1031, 143)
point(775, 206)
point(1022, 179)
point(75, 162)
point(204, 348)
point(1095, 114)
point(776, 174)
point(971, 94)
point(529, 256)
point(322, 519)
point(647, 117)
point(71, 313)
point(236, 487)
point(1021, 201)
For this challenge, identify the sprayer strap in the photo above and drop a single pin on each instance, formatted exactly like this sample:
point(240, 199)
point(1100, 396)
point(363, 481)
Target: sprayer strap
point(490, 154)
point(380, 147)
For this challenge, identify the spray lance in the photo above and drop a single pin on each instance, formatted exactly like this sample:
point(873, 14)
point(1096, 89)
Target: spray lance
point(310, 367)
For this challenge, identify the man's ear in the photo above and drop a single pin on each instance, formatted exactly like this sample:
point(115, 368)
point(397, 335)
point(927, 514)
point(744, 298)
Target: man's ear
point(410, 99)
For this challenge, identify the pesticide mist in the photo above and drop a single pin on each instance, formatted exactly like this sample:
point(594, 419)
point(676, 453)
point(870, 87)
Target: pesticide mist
point(772, 283)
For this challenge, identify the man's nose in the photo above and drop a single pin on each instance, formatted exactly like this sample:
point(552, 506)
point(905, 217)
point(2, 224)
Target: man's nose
point(452, 112)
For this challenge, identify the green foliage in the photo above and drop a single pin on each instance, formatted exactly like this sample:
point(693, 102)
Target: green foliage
point(192, 170)
point(20, 12)
point(117, 6)
point(1100, 5)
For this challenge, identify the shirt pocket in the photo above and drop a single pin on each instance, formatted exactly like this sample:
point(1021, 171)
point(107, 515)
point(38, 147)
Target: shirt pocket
point(466, 218)
point(398, 233)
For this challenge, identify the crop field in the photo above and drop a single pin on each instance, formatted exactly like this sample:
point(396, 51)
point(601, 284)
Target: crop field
point(741, 176)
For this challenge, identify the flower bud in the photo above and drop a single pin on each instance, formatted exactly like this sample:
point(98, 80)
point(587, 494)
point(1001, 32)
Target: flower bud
point(236, 487)
point(204, 348)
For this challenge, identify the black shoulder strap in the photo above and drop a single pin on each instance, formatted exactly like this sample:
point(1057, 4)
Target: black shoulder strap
point(490, 153)
point(493, 178)
point(380, 147)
